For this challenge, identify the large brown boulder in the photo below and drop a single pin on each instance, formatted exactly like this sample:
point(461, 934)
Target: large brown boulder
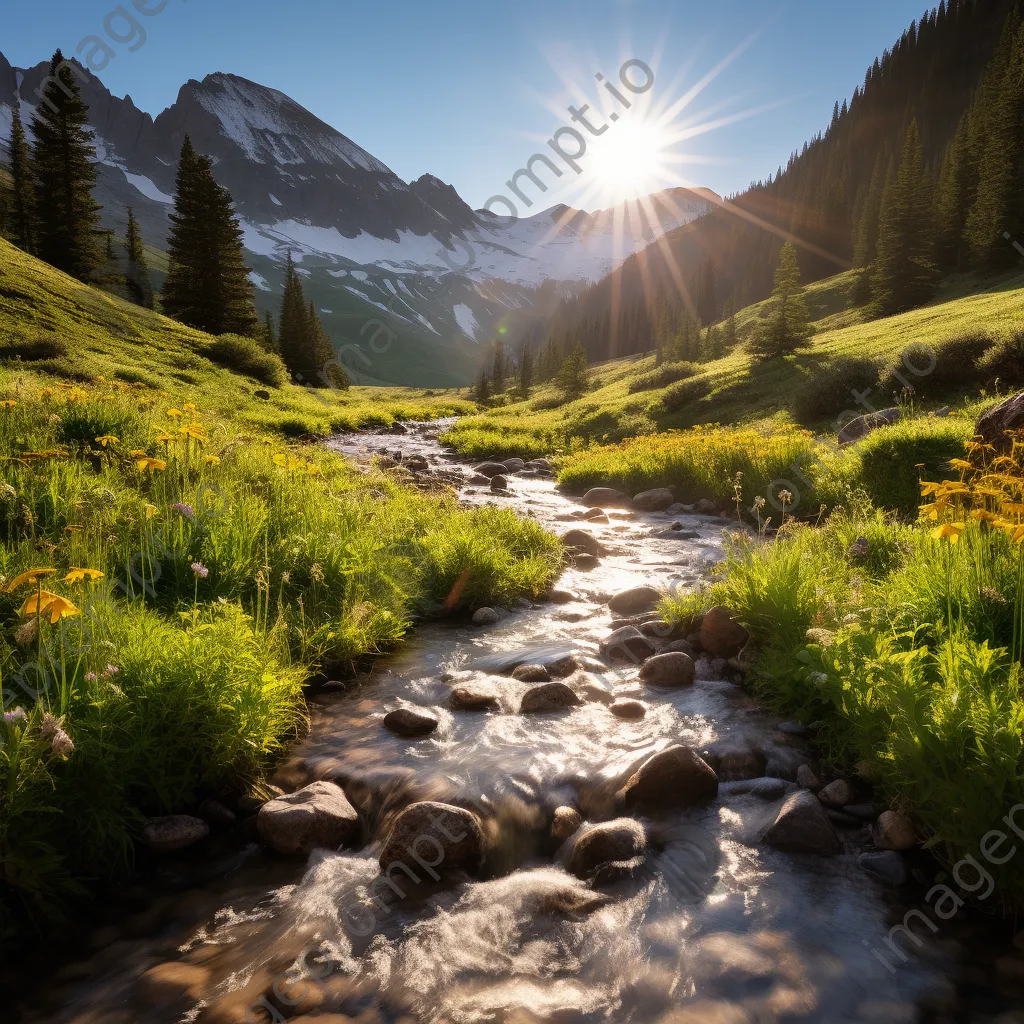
point(474, 697)
point(627, 644)
point(1006, 416)
point(605, 497)
point(548, 697)
point(864, 425)
point(580, 540)
point(656, 500)
point(432, 839)
point(676, 777)
point(410, 723)
point(317, 816)
point(802, 826)
point(611, 842)
point(634, 601)
point(668, 670)
point(721, 635)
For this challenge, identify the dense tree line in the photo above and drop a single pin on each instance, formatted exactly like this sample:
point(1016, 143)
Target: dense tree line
point(913, 178)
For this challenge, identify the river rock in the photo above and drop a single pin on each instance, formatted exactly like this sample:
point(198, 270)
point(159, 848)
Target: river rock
point(668, 670)
point(675, 777)
point(474, 697)
point(735, 762)
point(627, 708)
point(562, 597)
point(794, 729)
point(515, 465)
point(595, 515)
point(1007, 415)
point(885, 865)
point(894, 831)
point(706, 507)
point(605, 497)
point(721, 635)
point(680, 647)
point(174, 832)
point(836, 794)
point(766, 788)
point(566, 822)
point(561, 666)
point(806, 779)
point(499, 483)
point(864, 425)
point(317, 816)
point(626, 644)
point(215, 813)
point(580, 540)
point(531, 674)
point(445, 837)
point(656, 500)
point(802, 826)
point(485, 617)
point(548, 697)
point(635, 601)
point(410, 722)
point(658, 629)
point(490, 469)
point(543, 464)
point(617, 842)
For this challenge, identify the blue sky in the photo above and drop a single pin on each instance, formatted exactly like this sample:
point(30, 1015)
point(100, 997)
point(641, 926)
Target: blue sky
point(469, 90)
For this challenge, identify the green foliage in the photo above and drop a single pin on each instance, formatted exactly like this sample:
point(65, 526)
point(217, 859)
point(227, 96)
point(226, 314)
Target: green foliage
point(248, 356)
point(788, 325)
point(686, 393)
point(574, 376)
point(47, 345)
point(947, 367)
point(1004, 362)
point(662, 376)
point(21, 226)
point(832, 390)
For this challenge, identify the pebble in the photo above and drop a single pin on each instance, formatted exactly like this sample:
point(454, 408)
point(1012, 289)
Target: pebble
point(836, 794)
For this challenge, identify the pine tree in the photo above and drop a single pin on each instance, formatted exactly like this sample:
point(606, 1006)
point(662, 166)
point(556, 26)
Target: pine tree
point(904, 272)
point(730, 331)
point(66, 216)
point(137, 276)
point(19, 218)
point(498, 371)
point(483, 388)
point(957, 184)
point(525, 372)
point(269, 337)
point(208, 283)
point(788, 327)
point(301, 339)
point(574, 375)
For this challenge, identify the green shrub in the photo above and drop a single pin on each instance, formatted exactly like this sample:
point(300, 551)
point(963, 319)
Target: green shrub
point(941, 369)
point(1005, 361)
point(830, 391)
point(245, 355)
point(685, 393)
point(662, 376)
point(32, 349)
point(894, 459)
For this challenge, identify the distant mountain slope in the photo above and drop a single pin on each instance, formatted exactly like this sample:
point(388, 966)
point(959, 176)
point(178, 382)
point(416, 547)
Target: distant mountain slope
point(930, 74)
point(374, 249)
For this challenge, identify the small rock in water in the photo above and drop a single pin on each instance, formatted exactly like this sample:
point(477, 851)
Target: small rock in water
point(474, 697)
point(679, 510)
point(515, 465)
point(485, 617)
point(658, 629)
point(628, 709)
point(766, 788)
point(442, 836)
point(605, 497)
point(802, 827)
point(706, 507)
point(490, 469)
point(581, 541)
point(562, 597)
point(680, 647)
point(581, 560)
point(656, 500)
point(317, 816)
point(627, 644)
point(836, 794)
point(612, 843)
point(562, 666)
point(410, 723)
point(566, 822)
point(863, 812)
point(886, 865)
point(634, 601)
point(794, 729)
point(531, 674)
point(214, 812)
point(806, 779)
point(894, 831)
point(721, 635)
point(595, 515)
point(174, 832)
point(548, 697)
point(675, 777)
point(668, 670)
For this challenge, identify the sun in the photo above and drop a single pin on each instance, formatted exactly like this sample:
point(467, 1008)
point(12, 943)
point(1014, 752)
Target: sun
point(629, 159)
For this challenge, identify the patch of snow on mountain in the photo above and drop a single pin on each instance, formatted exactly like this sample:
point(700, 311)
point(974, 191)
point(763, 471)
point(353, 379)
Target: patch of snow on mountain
point(259, 281)
point(148, 189)
point(274, 199)
point(466, 320)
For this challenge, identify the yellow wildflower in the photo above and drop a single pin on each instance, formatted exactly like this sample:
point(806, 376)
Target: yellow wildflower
point(107, 439)
point(174, 414)
point(30, 576)
point(950, 531)
point(77, 575)
point(212, 460)
point(148, 465)
point(43, 602)
point(151, 510)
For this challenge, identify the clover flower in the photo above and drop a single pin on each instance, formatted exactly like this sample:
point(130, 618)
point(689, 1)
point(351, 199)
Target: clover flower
point(186, 510)
point(200, 570)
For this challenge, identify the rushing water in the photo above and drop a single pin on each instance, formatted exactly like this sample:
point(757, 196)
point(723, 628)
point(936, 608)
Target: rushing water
point(714, 928)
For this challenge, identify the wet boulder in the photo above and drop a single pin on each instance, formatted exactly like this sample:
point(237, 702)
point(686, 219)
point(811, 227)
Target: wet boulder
point(894, 831)
point(721, 635)
point(656, 500)
point(566, 822)
point(499, 483)
point(514, 465)
point(432, 839)
point(531, 674)
point(485, 617)
point(676, 777)
point(174, 832)
point(802, 826)
point(807, 779)
point(635, 601)
point(628, 709)
point(627, 644)
point(580, 540)
point(410, 723)
point(490, 469)
point(668, 670)
point(548, 697)
point(610, 845)
point(474, 697)
point(835, 794)
point(605, 497)
point(317, 816)
point(542, 464)
point(680, 647)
